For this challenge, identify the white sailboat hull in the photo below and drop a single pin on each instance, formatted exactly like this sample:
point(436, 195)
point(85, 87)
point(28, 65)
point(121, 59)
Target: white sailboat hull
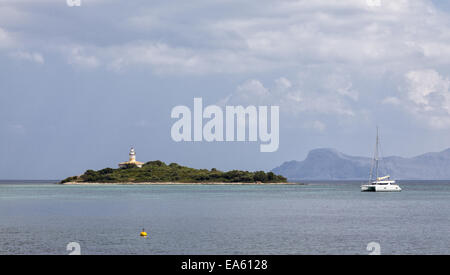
point(380, 188)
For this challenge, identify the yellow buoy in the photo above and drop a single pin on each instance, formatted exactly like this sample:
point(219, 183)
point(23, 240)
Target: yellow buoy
point(143, 233)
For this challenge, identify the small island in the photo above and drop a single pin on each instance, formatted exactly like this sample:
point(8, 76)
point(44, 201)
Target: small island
point(157, 172)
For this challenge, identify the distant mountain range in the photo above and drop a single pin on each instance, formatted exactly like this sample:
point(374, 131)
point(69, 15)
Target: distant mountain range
point(329, 164)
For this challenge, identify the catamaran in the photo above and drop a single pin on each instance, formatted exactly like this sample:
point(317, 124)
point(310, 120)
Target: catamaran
point(380, 184)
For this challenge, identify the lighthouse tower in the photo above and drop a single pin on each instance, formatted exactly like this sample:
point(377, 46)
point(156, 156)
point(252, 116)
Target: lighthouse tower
point(132, 160)
point(132, 155)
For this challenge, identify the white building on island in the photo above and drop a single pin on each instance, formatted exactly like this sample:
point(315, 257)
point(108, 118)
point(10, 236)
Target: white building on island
point(132, 160)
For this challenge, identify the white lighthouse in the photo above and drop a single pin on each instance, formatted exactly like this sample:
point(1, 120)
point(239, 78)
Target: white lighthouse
point(132, 155)
point(132, 160)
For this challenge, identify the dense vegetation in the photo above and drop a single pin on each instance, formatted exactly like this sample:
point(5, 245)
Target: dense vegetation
point(158, 171)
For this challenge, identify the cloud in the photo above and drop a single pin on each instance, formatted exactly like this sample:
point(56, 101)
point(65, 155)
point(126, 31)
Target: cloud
point(259, 39)
point(11, 16)
point(252, 90)
point(339, 31)
point(317, 125)
point(6, 41)
point(283, 83)
point(426, 95)
point(292, 99)
point(309, 38)
point(77, 57)
point(391, 100)
point(426, 88)
point(254, 38)
point(27, 56)
point(160, 56)
point(342, 84)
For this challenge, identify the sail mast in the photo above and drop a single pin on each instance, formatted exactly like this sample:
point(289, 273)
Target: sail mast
point(376, 155)
point(371, 168)
point(374, 161)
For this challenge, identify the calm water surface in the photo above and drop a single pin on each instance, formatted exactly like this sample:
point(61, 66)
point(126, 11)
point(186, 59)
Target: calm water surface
point(318, 218)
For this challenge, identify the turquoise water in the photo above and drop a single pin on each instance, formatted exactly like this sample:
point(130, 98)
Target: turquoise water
point(318, 218)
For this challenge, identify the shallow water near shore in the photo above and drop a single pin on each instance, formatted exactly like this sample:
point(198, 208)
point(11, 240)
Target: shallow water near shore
point(318, 218)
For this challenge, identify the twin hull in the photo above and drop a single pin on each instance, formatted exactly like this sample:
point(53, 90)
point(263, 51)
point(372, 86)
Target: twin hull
point(380, 188)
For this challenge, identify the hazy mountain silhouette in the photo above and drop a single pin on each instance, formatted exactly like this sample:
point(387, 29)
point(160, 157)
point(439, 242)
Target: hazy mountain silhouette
point(329, 164)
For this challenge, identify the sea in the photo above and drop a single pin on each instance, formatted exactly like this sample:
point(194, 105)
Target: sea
point(320, 217)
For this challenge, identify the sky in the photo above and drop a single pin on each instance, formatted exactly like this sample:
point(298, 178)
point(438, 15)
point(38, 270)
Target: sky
point(81, 84)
